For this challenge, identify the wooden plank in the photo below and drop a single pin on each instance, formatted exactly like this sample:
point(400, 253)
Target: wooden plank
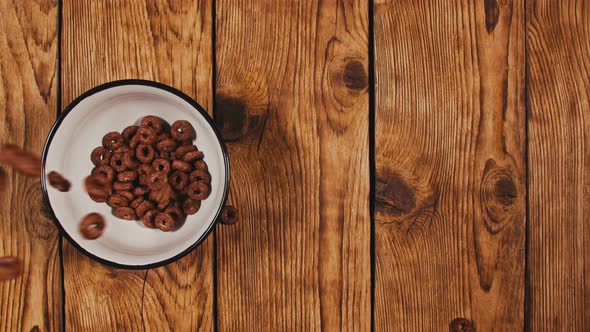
point(558, 58)
point(450, 164)
point(28, 104)
point(292, 95)
point(166, 41)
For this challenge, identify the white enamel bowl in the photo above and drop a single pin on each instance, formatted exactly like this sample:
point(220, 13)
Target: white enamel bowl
point(80, 128)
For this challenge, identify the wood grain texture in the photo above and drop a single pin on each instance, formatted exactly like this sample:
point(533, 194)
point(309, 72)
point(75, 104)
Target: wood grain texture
point(292, 96)
point(450, 164)
point(558, 42)
point(28, 104)
point(166, 41)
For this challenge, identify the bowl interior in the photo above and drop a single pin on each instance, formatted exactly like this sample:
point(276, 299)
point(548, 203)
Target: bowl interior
point(68, 152)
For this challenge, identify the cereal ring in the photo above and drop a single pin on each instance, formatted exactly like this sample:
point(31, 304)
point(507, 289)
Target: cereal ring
point(229, 215)
point(129, 160)
point(129, 132)
point(148, 218)
point(21, 160)
point(142, 208)
point(124, 212)
point(100, 156)
point(161, 165)
point(57, 181)
point(146, 135)
point(178, 180)
point(164, 222)
point(123, 186)
point(200, 165)
point(124, 149)
point(157, 180)
point(135, 203)
point(117, 200)
point(198, 191)
point(112, 140)
point(181, 151)
point(144, 153)
point(182, 130)
point(140, 191)
point(104, 171)
point(98, 188)
point(126, 194)
point(117, 162)
point(134, 142)
point(143, 172)
point(162, 137)
point(127, 176)
point(167, 145)
point(176, 214)
point(191, 206)
point(152, 122)
point(200, 176)
point(92, 226)
point(193, 155)
point(181, 166)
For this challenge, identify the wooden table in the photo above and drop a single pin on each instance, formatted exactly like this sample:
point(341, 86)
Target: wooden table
point(397, 164)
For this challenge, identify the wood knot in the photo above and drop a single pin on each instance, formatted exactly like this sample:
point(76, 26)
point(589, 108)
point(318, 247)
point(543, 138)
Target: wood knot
point(394, 195)
point(492, 12)
point(498, 195)
point(461, 325)
point(354, 75)
point(231, 117)
point(403, 200)
point(38, 225)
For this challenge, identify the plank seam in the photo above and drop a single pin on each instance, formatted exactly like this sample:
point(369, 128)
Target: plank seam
point(372, 168)
point(214, 115)
point(527, 284)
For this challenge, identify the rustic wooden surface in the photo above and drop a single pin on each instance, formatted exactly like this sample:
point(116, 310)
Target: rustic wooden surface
point(479, 181)
point(292, 94)
point(28, 106)
point(450, 164)
point(558, 39)
point(168, 42)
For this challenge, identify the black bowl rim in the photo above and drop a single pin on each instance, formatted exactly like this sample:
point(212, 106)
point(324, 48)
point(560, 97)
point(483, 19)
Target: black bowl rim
point(153, 84)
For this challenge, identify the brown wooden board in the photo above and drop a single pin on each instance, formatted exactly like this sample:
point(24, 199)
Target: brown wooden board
point(450, 190)
point(292, 97)
point(166, 41)
point(558, 59)
point(28, 105)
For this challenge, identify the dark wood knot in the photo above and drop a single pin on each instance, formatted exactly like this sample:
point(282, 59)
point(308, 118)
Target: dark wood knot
point(492, 12)
point(231, 117)
point(394, 195)
point(38, 225)
point(354, 75)
point(461, 325)
point(498, 195)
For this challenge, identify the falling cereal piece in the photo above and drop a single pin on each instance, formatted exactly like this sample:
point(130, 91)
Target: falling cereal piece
point(3, 179)
point(92, 226)
point(58, 182)
point(10, 267)
point(21, 160)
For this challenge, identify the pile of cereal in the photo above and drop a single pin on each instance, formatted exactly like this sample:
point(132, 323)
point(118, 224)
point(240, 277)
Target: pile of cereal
point(151, 172)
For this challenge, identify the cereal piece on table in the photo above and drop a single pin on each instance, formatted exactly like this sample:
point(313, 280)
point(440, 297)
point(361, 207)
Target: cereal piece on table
point(58, 182)
point(92, 226)
point(229, 215)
